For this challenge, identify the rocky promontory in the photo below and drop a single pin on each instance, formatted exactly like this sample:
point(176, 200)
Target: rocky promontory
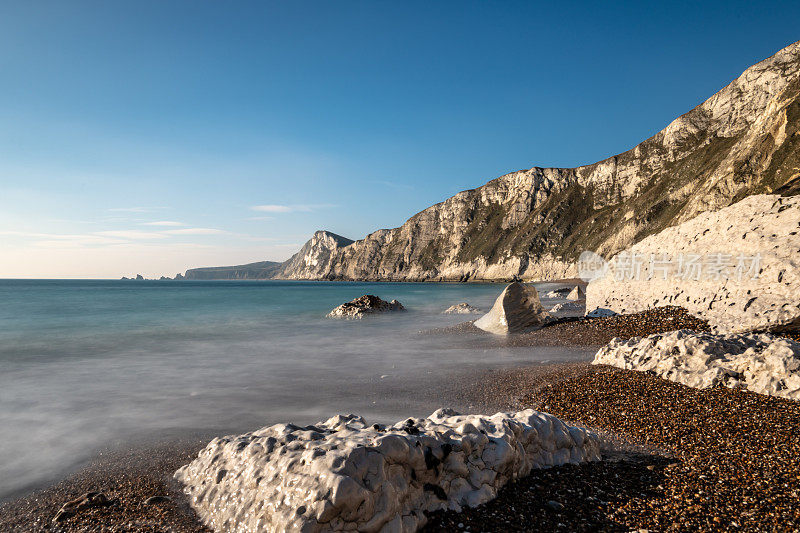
point(258, 270)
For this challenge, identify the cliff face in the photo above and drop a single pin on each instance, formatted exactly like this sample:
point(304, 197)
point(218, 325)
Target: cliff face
point(534, 223)
point(314, 257)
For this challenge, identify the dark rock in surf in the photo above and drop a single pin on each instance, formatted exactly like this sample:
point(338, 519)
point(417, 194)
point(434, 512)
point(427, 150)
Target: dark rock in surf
point(365, 305)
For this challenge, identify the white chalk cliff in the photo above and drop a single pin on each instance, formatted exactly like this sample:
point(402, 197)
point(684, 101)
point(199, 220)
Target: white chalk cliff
point(343, 474)
point(738, 268)
point(761, 363)
point(534, 223)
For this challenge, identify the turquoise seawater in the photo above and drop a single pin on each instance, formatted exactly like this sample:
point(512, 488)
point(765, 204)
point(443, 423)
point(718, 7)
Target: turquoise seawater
point(87, 365)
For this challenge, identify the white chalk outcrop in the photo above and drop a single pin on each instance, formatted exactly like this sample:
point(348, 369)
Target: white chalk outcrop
point(557, 293)
point(346, 475)
point(516, 309)
point(738, 268)
point(461, 309)
point(578, 293)
point(760, 363)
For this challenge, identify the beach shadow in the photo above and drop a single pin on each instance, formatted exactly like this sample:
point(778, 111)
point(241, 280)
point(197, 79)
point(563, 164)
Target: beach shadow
point(585, 497)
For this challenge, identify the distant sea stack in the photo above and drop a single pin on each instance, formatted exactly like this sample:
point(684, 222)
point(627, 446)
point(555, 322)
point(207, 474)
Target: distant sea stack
point(533, 224)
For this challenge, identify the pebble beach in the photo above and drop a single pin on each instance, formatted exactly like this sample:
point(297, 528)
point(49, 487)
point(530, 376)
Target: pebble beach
point(699, 460)
point(681, 459)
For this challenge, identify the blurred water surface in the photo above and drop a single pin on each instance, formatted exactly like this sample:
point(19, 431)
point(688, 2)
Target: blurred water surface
point(90, 364)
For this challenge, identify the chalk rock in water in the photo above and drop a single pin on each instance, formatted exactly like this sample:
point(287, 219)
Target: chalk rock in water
point(569, 307)
point(577, 293)
point(365, 305)
point(343, 474)
point(516, 309)
point(763, 363)
point(461, 309)
point(738, 268)
point(558, 293)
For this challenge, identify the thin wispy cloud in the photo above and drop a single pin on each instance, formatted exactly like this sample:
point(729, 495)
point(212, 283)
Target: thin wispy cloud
point(272, 208)
point(21, 233)
point(293, 208)
point(165, 223)
point(63, 240)
point(195, 231)
point(260, 218)
point(133, 209)
point(78, 242)
point(108, 237)
point(133, 234)
point(254, 238)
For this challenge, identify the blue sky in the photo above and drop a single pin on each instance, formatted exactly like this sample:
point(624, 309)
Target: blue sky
point(141, 136)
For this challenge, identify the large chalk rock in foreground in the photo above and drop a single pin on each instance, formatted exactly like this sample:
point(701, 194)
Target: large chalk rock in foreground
point(365, 305)
point(760, 363)
point(516, 309)
point(738, 268)
point(345, 475)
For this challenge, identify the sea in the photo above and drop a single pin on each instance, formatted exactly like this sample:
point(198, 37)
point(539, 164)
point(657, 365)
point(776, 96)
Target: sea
point(93, 365)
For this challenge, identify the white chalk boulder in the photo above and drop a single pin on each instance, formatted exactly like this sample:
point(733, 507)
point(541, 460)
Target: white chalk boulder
point(738, 268)
point(516, 309)
point(461, 309)
point(343, 474)
point(557, 293)
point(578, 293)
point(760, 363)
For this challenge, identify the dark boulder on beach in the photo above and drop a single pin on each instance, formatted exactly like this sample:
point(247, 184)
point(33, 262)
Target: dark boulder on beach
point(365, 305)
